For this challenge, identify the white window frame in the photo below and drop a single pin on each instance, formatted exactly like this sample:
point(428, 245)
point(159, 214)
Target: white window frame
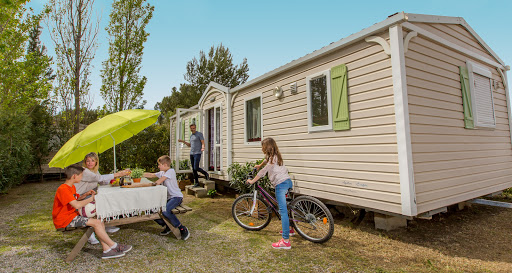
point(328, 127)
point(215, 107)
point(248, 98)
point(474, 68)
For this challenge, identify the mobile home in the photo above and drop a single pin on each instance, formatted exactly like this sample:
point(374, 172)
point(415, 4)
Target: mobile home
point(405, 118)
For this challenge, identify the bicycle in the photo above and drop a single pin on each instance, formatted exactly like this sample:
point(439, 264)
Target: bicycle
point(308, 215)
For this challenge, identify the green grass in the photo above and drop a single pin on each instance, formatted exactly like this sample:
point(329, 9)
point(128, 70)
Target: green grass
point(476, 240)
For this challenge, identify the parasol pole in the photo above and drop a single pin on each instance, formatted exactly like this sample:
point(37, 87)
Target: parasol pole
point(115, 169)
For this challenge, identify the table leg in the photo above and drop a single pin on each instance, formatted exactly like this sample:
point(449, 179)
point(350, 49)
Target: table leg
point(78, 247)
point(174, 230)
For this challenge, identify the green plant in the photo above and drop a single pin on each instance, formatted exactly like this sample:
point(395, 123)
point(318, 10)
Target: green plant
point(184, 165)
point(211, 193)
point(239, 173)
point(137, 172)
point(142, 150)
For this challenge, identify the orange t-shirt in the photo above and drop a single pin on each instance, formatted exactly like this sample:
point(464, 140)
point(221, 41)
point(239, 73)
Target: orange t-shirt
point(63, 212)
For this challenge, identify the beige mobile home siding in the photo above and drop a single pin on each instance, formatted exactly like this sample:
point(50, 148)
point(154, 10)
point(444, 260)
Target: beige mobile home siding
point(358, 166)
point(219, 98)
point(451, 163)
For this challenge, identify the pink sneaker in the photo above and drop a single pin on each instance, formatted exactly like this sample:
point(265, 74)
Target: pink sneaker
point(292, 232)
point(281, 244)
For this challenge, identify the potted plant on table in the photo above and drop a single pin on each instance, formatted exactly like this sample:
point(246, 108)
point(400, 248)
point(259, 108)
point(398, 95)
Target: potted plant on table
point(137, 174)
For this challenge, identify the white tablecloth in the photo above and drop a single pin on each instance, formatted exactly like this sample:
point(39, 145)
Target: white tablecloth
point(111, 202)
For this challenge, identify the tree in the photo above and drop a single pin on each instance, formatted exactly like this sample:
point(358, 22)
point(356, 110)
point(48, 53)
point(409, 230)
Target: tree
point(22, 84)
point(122, 86)
point(74, 35)
point(217, 67)
point(23, 87)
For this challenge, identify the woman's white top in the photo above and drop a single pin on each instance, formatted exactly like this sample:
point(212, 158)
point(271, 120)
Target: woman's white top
point(90, 181)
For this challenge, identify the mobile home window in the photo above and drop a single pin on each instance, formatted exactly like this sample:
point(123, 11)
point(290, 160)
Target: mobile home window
point(481, 95)
point(318, 88)
point(253, 122)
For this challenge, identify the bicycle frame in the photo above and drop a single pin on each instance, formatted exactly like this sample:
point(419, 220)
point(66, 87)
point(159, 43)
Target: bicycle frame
point(270, 200)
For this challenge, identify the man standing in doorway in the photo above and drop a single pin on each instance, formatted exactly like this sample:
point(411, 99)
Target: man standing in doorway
point(196, 145)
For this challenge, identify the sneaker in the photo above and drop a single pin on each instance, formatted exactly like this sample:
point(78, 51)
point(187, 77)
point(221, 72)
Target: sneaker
point(281, 244)
point(196, 185)
point(207, 176)
point(123, 248)
point(93, 241)
point(184, 232)
point(113, 253)
point(166, 231)
point(292, 232)
point(111, 229)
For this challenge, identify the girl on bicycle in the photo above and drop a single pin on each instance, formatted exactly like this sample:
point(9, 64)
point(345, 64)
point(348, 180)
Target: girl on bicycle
point(278, 175)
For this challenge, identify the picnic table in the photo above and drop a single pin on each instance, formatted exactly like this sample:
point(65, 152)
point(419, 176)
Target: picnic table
point(120, 206)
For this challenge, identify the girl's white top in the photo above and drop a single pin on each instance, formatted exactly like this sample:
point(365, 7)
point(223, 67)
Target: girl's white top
point(277, 174)
point(90, 181)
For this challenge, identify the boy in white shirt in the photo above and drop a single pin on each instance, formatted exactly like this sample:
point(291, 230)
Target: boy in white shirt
point(167, 177)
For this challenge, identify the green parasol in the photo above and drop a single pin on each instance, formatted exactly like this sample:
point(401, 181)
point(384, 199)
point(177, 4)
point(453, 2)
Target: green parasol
point(103, 135)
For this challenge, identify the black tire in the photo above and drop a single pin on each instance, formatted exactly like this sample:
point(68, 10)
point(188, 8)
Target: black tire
point(258, 220)
point(311, 219)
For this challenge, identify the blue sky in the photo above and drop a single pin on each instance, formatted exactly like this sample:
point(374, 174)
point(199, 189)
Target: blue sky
point(272, 33)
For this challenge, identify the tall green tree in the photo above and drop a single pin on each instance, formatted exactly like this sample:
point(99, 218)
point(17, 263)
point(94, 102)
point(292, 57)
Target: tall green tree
point(24, 86)
point(122, 86)
point(75, 36)
point(217, 66)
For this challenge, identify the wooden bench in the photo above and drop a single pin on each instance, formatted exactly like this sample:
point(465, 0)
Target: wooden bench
point(123, 221)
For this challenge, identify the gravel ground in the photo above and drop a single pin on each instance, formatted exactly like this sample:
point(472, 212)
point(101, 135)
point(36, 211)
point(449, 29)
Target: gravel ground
point(474, 240)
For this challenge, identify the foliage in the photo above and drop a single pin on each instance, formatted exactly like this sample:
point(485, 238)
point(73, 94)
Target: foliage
point(211, 193)
point(23, 83)
point(41, 135)
point(184, 165)
point(239, 174)
point(141, 150)
point(122, 86)
point(217, 66)
point(15, 152)
point(137, 172)
point(74, 35)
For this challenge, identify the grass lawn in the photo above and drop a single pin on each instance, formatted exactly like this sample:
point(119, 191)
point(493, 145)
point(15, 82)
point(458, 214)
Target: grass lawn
point(477, 239)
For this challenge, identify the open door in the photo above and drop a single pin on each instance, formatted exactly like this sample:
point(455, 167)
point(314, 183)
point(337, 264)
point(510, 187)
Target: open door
point(184, 117)
point(213, 139)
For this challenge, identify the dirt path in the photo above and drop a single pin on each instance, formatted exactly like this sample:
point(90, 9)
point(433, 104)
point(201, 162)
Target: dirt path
point(474, 240)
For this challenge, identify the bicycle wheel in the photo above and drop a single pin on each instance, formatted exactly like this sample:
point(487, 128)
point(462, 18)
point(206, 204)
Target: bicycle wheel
point(241, 211)
point(311, 219)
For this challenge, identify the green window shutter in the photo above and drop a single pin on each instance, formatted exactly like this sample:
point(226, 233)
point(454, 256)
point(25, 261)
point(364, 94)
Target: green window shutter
point(469, 123)
point(339, 89)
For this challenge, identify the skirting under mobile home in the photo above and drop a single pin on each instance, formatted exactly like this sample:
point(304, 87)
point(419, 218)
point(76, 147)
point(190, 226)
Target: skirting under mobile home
point(405, 117)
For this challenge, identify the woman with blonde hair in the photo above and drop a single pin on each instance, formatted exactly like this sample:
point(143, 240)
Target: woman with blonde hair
point(90, 180)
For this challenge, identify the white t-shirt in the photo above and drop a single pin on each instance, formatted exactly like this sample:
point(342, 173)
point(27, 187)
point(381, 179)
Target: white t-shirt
point(171, 183)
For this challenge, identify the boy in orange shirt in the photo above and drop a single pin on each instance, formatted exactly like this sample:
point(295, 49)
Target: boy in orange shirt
point(64, 213)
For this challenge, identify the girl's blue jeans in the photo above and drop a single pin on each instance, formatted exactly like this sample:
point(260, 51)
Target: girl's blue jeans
point(281, 190)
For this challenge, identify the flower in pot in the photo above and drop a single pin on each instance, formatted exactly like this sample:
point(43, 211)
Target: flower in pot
point(137, 174)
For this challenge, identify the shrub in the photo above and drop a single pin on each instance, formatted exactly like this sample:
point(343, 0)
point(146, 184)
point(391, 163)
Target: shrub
point(184, 165)
point(141, 150)
point(239, 174)
point(15, 150)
